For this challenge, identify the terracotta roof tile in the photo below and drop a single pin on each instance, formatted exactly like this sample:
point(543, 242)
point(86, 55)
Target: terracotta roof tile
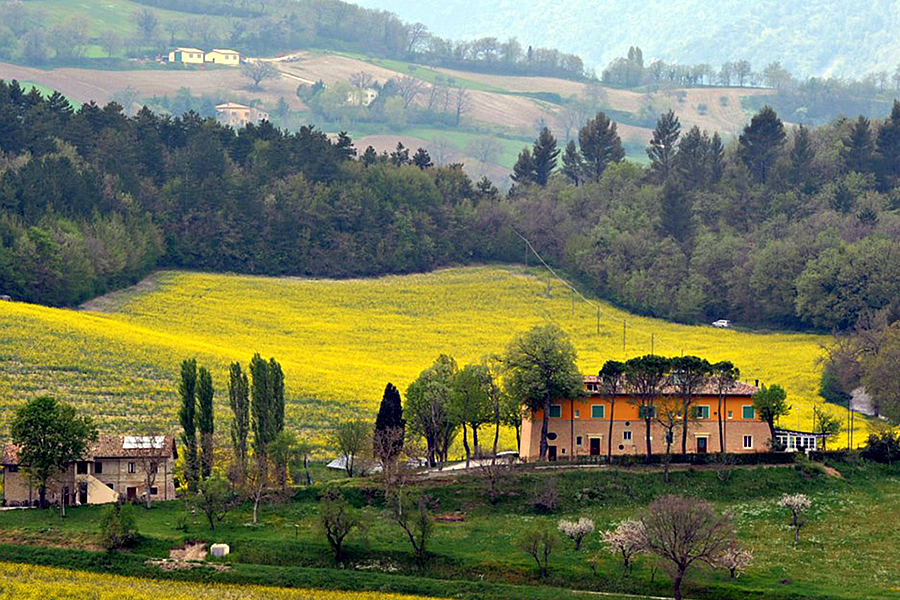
point(109, 446)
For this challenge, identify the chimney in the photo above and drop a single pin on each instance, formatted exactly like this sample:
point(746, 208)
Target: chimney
point(757, 383)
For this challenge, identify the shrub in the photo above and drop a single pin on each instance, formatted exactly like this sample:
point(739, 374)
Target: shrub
point(576, 530)
point(883, 447)
point(117, 526)
point(546, 498)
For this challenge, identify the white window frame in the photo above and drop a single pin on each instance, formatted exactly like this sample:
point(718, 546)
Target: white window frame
point(700, 408)
point(626, 436)
point(132, 468)
point(746, 445)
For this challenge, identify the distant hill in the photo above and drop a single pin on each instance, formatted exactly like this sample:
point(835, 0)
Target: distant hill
point(809, 37)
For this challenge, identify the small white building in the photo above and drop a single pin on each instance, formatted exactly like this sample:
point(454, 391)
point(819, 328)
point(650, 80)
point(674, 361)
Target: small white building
point(361, 97)
point(798, 441)
point(238, 115)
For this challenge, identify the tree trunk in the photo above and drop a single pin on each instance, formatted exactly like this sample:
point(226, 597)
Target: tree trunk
point(475, 440)
point(545, 426)
point(678, 579)
point(649, 448)
point(42, 495)
point(571, 429)
point(685, 405)
point(496, 440)
point(256, 499)
point(721, 427)
point(609, 442)
point(466, 444)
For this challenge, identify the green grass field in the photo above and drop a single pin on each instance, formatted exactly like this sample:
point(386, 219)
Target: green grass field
point(341, 341)
point(847, 547)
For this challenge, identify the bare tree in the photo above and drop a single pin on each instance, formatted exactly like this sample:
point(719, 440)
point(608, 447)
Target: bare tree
point(539, 543)
point(683, 532)
point(414, 518)
point(669, 418)
point(147, 24)
point(797, 504)
point(362, 80)
point(150, 448)
point(462, 103)
point(626, 540)
point(409, 89)
point(416, 34)
point(441, 149)
point(172, 27)
point(484, 149)
point(259, 70)
point(111, 42)
point(352, 439)
point(337, 520)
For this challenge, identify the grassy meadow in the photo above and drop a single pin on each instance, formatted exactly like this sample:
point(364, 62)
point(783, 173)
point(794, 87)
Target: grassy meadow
point(849, 536)
point(341, 341)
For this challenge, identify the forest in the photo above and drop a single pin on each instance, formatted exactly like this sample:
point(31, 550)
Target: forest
point(758, 231)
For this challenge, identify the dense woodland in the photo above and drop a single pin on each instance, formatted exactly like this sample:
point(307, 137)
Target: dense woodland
point(760, 231)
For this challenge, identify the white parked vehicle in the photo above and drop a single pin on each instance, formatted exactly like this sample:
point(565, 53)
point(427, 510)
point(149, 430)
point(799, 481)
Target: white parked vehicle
point(722, 324)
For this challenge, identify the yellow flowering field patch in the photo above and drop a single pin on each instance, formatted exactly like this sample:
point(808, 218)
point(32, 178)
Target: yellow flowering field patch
point(340, 342)
point(28, 582)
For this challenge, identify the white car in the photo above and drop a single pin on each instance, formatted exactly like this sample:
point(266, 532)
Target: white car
point(722, 323)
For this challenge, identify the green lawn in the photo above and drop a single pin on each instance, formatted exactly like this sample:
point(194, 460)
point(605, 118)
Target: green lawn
point(45, 91)
point(107, 15)
point(847, 548)
point(426, 73)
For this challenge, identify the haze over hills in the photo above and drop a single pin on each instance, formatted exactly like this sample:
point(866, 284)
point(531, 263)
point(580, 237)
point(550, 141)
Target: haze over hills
point(809, 38)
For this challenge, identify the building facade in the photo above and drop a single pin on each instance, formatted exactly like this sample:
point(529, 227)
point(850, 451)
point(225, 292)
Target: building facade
point(238, 115)
point(580, 427)
point(229, 58)
point(114, 468)
point(190, 56)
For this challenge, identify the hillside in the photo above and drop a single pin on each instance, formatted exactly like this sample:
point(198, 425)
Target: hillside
point(822, 37)
point(340, 341)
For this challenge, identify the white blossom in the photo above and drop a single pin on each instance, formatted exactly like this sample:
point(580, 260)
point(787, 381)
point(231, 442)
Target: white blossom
point(577, 530)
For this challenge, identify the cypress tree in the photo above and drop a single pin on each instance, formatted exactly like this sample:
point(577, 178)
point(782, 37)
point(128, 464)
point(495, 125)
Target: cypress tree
point(276, 383)
point(544, 155)
point(523, 170)
point(600, 145)
point(573, 165)
point(205, 423)
point(239, 398)
point(389, 424)
point(664, 145)
point(188, 392)
point(761, 143)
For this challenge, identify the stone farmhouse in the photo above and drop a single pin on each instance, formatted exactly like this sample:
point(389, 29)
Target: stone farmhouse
point(238, 115)
point(114, 468)
point(580, 427)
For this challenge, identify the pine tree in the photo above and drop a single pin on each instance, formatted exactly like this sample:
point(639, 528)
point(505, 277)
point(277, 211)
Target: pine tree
point(761, 143)
point(716, 159)
point(188, 392)
point(400, 156)
point(544, 155)
point(369, 157)
point(205, 423)
point(888, 146)
point(802, 155)
point(573, 165)
point(664, 145)
point(692, 160)
point(676, 213)
point(523, 170)
point(486, 189)
point(422, 159)
point(239, 397)
point(858, 147)
point(600, 145)
point(389, 425)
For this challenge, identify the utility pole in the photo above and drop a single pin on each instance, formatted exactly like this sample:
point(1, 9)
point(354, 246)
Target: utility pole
point(652, 343)
point(598, 320)
point(624, 327)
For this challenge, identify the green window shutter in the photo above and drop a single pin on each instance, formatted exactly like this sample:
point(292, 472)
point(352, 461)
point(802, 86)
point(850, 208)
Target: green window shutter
point(748, 412)
point(598, 411)
point(647, 412)
point(700, 412)
point(555, 411)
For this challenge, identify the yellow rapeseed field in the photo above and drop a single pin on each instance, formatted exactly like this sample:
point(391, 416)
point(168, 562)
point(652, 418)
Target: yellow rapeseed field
point(340, 342)
point(28, 582)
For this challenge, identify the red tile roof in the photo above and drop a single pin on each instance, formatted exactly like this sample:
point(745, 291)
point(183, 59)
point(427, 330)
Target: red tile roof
point(738, 388)
point(109, 446)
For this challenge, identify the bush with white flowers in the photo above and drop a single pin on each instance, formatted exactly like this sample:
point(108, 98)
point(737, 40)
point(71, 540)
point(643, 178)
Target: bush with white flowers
point(577, 530)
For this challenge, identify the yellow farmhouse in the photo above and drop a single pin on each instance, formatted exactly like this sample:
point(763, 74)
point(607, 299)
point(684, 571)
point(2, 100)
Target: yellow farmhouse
point(230, 58)
point(190, 56)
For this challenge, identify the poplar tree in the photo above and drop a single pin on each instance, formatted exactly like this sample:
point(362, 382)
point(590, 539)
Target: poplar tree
point(187, 389)
point(239, 398)
point(205, 423)
point(544, 156)
point(600, 145)
point(260, 407)
point(664, 145)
